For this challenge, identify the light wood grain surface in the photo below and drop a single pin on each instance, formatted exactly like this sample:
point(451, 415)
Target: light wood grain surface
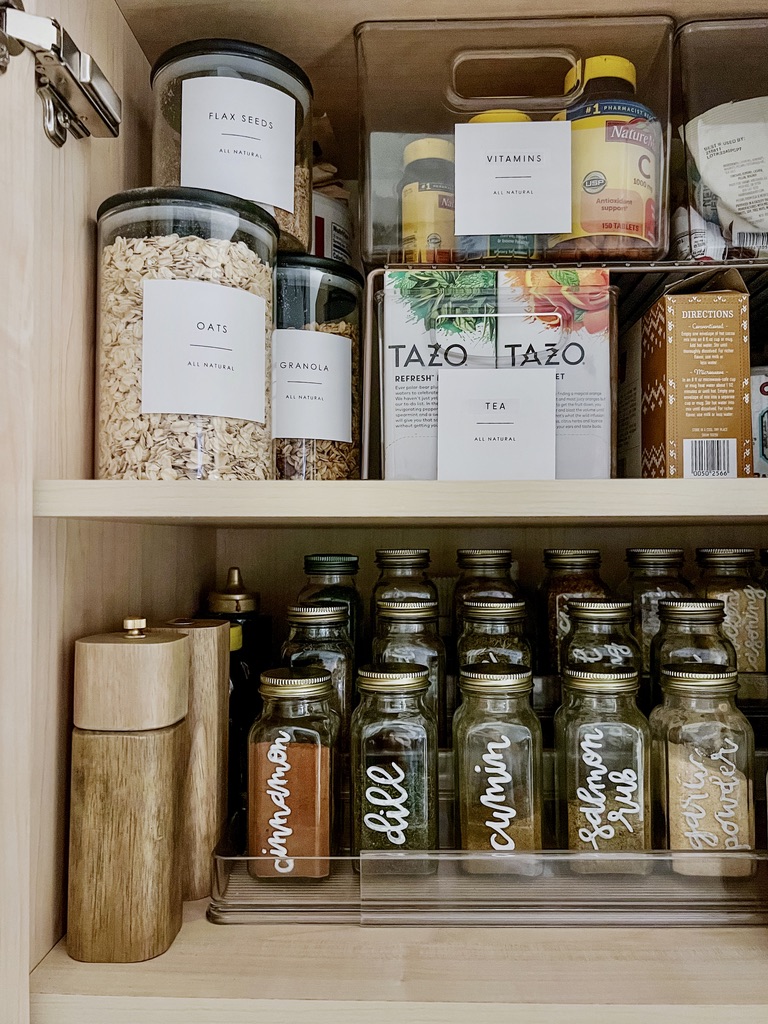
point(221, 973)
point(357, 502)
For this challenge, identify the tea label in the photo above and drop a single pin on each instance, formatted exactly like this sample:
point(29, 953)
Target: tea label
point(238, 136)
point(496, 425)
point(311, 385)
point(513, 178)
point(203, 350)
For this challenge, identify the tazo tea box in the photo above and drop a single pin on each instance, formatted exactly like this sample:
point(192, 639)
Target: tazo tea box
point(559, 322)
point(430, 322)
point(694, 410)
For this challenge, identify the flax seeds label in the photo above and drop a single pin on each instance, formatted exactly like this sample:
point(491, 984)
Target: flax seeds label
point(239, 137)
point(290, 806)
point(616, 150)
point(513, 178)
point(311, 385)
point(203, 350)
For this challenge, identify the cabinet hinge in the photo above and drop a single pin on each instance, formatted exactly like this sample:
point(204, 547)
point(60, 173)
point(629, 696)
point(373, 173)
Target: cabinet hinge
point(76, 96)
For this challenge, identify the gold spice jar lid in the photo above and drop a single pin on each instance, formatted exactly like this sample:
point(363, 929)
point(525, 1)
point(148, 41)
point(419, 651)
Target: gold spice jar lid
point(571, 558)
point(582, 609)
point(483, 558)
point(699, 679)
point(489, 679)
point(407, 611)
point(317, 614)
point(288, 683)
point(732, 557)
point(594, 681)
point(644, 558)
point(489, 610)
point(233, 597)
point(402, 558)
point(393, 677)
point(680, 609)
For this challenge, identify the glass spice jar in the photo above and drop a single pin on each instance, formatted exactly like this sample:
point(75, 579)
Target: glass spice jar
point(498, 764)
point(402, 577)
point(654, 574)
point(331, 580)
point(407, 632)
point(291, 776)
point(726, 576)
point(600, 636)
point(703, 767)
point(602, 750)
point(570, 573)
point(318, 638)
point(394, 765)
point(485, 573)
point(494, 631)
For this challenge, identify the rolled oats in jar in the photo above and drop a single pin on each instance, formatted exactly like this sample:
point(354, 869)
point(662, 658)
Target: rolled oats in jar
point(183, 362)
point(237, 118)
point(316, 372)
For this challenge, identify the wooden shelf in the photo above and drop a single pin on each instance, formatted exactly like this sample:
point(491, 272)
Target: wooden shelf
point(344, 974)
point(375, 502)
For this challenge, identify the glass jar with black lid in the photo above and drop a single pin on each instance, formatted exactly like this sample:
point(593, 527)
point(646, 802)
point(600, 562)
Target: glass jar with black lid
point(317, 377)
point(331, 580)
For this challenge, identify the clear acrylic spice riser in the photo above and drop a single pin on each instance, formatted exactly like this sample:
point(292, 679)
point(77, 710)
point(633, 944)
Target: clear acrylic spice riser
point(555, 888)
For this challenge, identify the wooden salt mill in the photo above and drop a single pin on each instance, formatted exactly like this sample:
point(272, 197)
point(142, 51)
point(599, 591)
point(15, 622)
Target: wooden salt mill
point(129, 752)
point(204, 810)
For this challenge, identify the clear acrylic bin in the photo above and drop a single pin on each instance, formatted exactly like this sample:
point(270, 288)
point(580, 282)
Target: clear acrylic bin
point(560, 322)
point(720, 191)
point(555, 105)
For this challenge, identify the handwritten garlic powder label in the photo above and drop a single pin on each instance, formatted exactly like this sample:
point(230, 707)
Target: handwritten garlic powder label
point(609, 801)
point(497, 797)
point(708, 799)
point(390, 799)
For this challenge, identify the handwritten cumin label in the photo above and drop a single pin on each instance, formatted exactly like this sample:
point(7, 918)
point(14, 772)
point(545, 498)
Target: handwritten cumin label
point(495, 796)
point(603, 824)
point(279, 793)
point(392, 797)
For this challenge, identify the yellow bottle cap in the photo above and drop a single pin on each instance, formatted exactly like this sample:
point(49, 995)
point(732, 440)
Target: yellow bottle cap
point(603, 66)
point(235, 636)
point(499, 115)
point(428, 149)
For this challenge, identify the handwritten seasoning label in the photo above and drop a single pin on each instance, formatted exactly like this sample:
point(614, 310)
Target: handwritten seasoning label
point(608, 812)
point(610, 654)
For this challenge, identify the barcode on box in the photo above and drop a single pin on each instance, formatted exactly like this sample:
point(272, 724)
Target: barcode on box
point(709, 457)
point(751, 240)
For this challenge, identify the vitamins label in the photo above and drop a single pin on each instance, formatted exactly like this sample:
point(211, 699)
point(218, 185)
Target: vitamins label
point(239, 137)
point(311, 385)
point(204, 350)
point(513, 178)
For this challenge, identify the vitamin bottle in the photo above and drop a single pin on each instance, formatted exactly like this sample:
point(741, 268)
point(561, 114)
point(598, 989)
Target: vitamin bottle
point(427, 193)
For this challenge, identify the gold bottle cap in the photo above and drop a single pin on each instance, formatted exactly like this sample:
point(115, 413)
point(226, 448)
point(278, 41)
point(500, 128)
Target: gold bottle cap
point(406, 611)
point(733, 557)
point(487, 679)
point(643, 558)
point(571, 558)
point(602, 66)
point(489, 610)
point(235, 637)
point(233, 597)
point(593, 681)
point(680, 609)
point(583, 609)
point(317, 614)
point(135, 627)
point(428, 149)
point(698, 679)
point(415, 558)
point(289, 683)
point(393, 677)
point(476, 558)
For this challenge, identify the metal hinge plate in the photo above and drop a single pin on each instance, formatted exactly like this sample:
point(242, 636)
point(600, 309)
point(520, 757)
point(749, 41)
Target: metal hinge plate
point(76, 96)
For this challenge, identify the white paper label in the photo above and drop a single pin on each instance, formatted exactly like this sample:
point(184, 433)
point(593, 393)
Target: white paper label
point(496, 425)
point(204, 350)
point(513, 178)
point(311, 385)
point(238, 137)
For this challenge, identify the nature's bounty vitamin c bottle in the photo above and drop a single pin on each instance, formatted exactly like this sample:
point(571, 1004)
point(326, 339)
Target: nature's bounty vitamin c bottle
point(616, 156)
point(427, 202)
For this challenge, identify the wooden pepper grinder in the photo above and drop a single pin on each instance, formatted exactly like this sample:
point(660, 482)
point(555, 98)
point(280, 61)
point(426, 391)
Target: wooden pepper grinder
point(129, 754)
